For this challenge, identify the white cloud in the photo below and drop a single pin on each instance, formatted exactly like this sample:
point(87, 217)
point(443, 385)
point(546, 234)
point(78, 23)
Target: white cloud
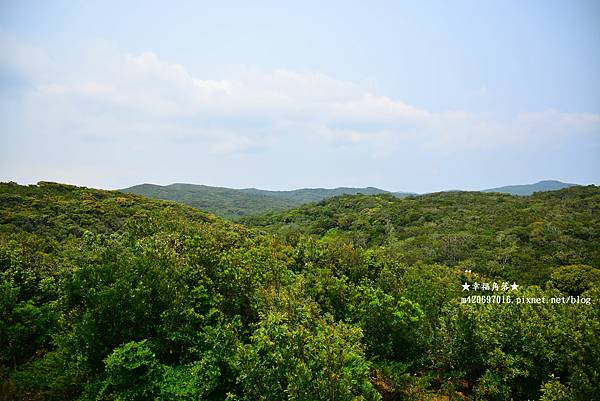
point(30, 61)
point(231, 144)
point(143, 96)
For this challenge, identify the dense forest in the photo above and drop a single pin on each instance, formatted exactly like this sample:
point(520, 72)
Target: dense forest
point(498, 235)
point(530, 189)
point(112, 296)
point(235, 203)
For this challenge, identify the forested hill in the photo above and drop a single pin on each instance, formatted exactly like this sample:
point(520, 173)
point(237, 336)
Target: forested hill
point(528, 189)
point(225, 202)
point(113, 296)
point(308, 195)
point(497, 234)
point(234, 203)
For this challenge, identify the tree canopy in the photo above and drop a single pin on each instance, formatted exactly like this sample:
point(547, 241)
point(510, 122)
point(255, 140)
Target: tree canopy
point(112, 296)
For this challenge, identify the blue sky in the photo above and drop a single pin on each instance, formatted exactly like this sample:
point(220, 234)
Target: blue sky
point(418, 96)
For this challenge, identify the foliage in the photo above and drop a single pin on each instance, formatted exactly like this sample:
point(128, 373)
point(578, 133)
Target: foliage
point(528, 189)
point(575, 279)
point(516, 238)
point(234, 203)
point(308, 361)
point(112, 296)
point(386, 321)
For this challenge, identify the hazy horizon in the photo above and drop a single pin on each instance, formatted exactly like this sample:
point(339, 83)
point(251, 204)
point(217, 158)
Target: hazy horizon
point(416, 97)
point(392, 190)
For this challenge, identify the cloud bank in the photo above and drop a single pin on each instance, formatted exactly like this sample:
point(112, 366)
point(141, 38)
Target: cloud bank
point(144, 103)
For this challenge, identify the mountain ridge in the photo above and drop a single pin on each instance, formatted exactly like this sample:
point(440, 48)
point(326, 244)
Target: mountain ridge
point(237, 203)
point(529, 189)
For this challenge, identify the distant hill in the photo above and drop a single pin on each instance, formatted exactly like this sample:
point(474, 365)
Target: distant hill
point(225, 202)
point(446, 227)
point(529, 189)
point(234, 203)
point(307, 195)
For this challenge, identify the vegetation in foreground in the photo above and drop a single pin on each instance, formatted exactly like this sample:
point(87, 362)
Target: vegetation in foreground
point(111, 296)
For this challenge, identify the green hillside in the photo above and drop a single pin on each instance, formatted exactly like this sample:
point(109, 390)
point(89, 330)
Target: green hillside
point(496, 234)
point(237, 203)
point(528, 189)
point(225, 202)
point(308, 195)
point(234, 203)
point(113, 296)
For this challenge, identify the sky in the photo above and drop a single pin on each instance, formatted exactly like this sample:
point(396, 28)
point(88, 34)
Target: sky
point(416, 96)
